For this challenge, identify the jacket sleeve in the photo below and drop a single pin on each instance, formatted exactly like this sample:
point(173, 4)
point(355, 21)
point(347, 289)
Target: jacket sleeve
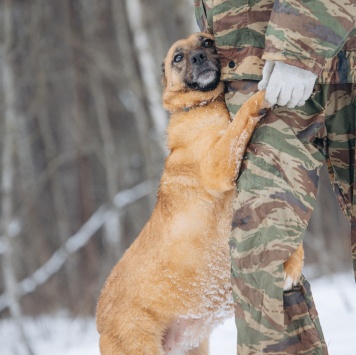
point(203, 15)
point(307, 33)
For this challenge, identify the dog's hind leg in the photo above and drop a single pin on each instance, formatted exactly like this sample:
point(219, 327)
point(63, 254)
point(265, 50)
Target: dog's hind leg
point(109, 345)
point(293, 268)
point(137, 343)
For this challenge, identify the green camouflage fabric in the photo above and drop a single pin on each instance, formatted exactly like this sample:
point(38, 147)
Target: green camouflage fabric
point(316, 35)
point(279, 179)
point(277, 190)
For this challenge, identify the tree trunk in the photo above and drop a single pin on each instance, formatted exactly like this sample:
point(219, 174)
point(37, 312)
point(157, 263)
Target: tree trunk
point(136, 91)
point(148, 66)
point(8, 168)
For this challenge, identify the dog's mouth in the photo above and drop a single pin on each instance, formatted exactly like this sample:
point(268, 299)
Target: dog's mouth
point(207, 71)
point(208, 79)
point(205, 78)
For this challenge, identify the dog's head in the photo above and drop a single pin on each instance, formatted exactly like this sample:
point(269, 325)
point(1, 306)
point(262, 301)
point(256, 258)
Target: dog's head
point(192, 63)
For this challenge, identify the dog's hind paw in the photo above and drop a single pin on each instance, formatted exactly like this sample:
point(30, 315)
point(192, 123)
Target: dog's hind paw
point(290, 282)
point(293, 268)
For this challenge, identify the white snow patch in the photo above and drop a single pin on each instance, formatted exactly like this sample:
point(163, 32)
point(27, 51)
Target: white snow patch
point(335, 297)
point(55, 335)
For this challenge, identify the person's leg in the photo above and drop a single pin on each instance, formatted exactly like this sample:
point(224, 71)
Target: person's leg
point(277, 188)
point(340, 111)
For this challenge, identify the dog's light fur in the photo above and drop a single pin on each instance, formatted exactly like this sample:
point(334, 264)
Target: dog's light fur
point(172, 286)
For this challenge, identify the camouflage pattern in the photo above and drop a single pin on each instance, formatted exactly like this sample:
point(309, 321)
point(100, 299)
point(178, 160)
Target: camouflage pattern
point(277, 190)
point(307, 34)
point(279, 179)
point(315, 35)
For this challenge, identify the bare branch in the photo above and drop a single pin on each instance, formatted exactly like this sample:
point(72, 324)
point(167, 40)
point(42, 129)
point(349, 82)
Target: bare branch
point(76, 241)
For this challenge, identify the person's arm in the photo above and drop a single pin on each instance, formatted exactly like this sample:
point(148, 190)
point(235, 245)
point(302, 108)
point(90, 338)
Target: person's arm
point(306, 33)
point(203, 16)
point(300, 37)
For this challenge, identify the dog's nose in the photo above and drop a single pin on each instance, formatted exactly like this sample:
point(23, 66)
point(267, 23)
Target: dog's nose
point(198, 57)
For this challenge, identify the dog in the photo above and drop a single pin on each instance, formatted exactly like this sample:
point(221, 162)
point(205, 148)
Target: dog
point(172, 286)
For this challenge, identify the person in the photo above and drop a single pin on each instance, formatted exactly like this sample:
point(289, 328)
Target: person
point(304, 52)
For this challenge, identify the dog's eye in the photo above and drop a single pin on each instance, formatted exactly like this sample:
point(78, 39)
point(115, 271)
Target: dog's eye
point(208, 43)
point(178, 58)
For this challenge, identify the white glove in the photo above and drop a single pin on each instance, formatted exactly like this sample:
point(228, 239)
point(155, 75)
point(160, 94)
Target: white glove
point(286, 85)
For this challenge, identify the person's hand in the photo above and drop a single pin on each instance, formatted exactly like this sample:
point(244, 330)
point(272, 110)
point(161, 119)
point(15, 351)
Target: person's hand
point(286, 85)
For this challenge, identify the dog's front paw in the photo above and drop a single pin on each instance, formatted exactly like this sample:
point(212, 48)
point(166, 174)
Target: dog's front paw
point(254, 108)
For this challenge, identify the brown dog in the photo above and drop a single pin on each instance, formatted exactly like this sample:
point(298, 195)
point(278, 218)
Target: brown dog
point(172, 286)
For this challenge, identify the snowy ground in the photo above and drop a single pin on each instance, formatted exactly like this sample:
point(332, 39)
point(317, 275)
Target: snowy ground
point(335, 298)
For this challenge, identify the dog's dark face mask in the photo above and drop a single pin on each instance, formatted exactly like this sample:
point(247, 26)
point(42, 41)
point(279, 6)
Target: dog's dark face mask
point(197, 64)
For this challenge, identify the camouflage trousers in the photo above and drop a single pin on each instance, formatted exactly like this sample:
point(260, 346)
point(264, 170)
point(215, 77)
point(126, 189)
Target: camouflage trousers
point(277, 189)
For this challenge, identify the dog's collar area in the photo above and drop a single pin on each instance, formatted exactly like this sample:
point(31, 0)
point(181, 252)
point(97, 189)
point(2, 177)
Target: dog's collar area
point(185, 101)
point(203, 103)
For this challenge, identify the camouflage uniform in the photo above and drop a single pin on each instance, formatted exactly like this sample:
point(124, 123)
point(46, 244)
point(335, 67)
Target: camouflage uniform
point(278, 181)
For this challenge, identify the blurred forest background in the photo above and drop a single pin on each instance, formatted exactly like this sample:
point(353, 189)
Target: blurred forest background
point(82, 147)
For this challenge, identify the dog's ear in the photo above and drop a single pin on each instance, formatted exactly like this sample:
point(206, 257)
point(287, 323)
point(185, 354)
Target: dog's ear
point(163, 76)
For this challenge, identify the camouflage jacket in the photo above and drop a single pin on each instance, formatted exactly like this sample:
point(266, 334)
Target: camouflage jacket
point(316, 35)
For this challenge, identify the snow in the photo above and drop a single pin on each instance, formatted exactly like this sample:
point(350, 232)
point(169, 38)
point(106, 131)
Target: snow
point(335, 297)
